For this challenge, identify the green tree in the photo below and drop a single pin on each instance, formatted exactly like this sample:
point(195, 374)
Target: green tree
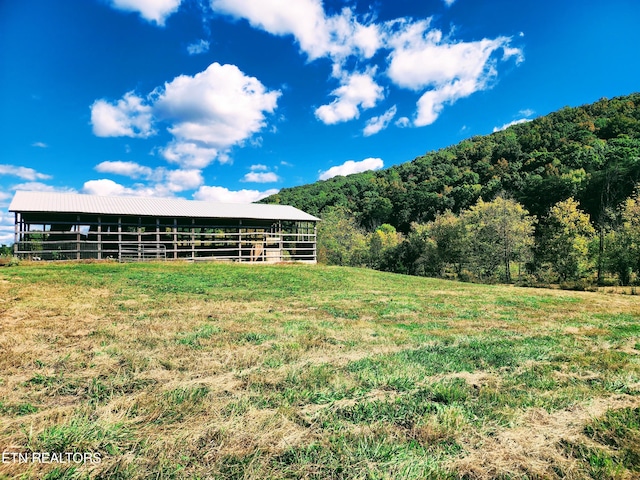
point(340, 240)
point(450, 237)
point(564, 241)
point(382, 240)
point(622, 245)
point(499, 232)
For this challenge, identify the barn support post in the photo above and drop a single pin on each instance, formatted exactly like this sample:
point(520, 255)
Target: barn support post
point(17, 236)
point(77, 236)
point(140, 246)
point(175, 238)
point(157, 237)
point(119, 238)
point(240, 240)
point(99, 246)
point(281, 241)
point(193, 238)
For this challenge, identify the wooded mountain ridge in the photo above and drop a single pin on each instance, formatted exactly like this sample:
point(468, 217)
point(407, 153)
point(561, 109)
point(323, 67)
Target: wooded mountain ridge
point(590, 153)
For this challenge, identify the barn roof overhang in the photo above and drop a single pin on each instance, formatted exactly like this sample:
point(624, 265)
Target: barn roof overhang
point(53, 202)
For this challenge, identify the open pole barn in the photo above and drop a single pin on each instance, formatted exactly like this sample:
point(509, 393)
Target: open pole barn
point(62, 226)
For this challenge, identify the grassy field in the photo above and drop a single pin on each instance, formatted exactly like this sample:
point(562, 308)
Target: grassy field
point(183, 370)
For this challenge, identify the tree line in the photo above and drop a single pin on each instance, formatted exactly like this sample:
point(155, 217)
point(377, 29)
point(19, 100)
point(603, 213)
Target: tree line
point(495, 241)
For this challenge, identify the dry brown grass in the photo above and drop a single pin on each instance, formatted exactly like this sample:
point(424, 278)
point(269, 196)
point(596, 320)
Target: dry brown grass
point(200, 382)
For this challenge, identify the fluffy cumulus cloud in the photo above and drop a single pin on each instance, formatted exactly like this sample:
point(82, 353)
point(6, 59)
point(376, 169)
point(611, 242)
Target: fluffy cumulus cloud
point(22, 172)
point(180, 180)
point(192, 154)
point(358, 90)
point(260, 177)
point(128, 117)
point(105, 187)
point(212, 111)
point(156, 11)
point(207, 113)
point(160, 181)
point(349, 167)
point(224, 195)
point(377, 124)
point(260, 174)
point(127, 169)
point(317, 34)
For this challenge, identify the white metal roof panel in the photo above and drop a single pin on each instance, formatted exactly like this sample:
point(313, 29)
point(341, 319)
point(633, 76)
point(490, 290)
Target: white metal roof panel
point(150, 206)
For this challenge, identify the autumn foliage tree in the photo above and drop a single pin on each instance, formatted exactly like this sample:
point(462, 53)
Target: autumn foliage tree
point(622, 245)
point(341, 241)
point(565, 236)
point(498, 233)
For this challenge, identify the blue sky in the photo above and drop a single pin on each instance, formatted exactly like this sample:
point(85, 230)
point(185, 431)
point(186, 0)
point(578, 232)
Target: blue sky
point(231, 100)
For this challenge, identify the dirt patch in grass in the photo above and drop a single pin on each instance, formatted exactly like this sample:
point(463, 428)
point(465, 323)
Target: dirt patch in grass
point(533, 449)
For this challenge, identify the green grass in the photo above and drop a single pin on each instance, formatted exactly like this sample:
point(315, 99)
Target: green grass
point(176, 370)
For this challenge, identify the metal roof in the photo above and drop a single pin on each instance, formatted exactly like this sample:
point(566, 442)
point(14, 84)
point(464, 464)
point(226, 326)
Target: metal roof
point(150, 207)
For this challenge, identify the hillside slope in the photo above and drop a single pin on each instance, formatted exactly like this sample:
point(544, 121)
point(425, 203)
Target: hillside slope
point(590, 152)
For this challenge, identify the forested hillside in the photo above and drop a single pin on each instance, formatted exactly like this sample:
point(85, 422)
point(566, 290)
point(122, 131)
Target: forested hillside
point(591, 153)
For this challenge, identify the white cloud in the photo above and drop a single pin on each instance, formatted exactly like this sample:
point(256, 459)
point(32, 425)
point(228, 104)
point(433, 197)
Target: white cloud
point(106, 188)
point(211, 112)
point(151, 10)
point(441, 69)
point(377, 124)
point(349, 167)
point(317, 34)
point(179, 180)
point(41, 187)
point(403, 122)
point(224, 195)
point(509, 52)
point(127, 169)
point(192, 155)
point(7, 227)
point(358, 90)
point(422, 59)
point(259, 174)
point(199, 47)
point(448, 3)
point(128, 117)
point(432, 102)
point(22, 172)
point(507, 125)
point(40, 145)
point(208, 114)
point(162, 182)
point(260, 177)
